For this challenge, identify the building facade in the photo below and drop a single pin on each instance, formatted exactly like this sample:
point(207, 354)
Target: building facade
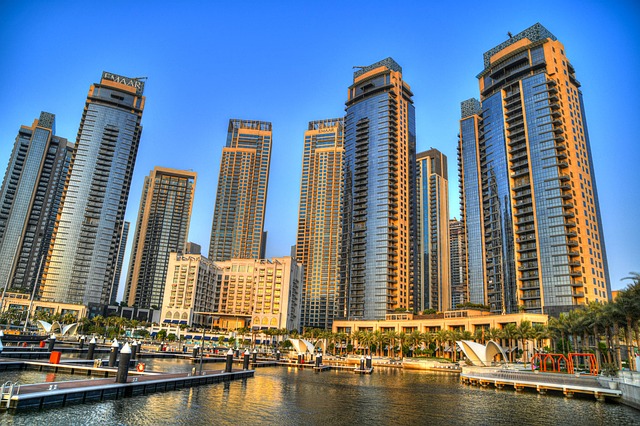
point(162, 228)
point(432, 283)
point(124, 236)
point(319, 225)
point(531, 213)
point(191, 290)
point(83, 255)
point(377, 257)
point(29, 202)
point(238, 218)
point(458, 268)
point(269, 292)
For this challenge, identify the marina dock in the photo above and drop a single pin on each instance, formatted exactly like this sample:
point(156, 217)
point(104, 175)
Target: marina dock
point(46, 395)
point(541, 382)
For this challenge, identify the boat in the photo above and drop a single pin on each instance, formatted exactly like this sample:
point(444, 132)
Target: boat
point(13, 336)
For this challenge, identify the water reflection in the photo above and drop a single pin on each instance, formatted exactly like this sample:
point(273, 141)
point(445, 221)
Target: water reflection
point(284, 396)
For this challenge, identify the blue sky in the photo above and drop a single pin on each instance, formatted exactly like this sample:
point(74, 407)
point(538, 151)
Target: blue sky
point(291, 62)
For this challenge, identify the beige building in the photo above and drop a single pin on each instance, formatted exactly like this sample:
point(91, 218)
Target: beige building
point(191, 287)
point(318, 241)
point(462, 320)
point(22, 302)
point(267, 291)
point(432, 288)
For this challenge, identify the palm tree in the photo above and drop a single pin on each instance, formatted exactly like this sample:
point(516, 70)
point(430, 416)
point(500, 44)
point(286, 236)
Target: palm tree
point(524, 333)
point(402, 339)
point(509, 331)
point(441, 336)
point(628, 306)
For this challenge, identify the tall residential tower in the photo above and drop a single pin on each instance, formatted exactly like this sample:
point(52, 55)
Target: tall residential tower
point(241, 199)
point(432, 284)
point(531, 213)
point(84, 250)
point(377, 259)
point(162, 228)
point(29, 201)
point(318, 242)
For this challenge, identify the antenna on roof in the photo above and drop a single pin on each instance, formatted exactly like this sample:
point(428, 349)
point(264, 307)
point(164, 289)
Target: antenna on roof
point(509, 34)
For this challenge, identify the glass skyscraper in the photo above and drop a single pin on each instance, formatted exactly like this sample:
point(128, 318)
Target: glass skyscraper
point(319, 226)
point(432, 288)
point(241, 199)
point(84, 250)
point(29, 202)
point(458, 259)
point(531, 213)
point(379, 226)
point(162, 228)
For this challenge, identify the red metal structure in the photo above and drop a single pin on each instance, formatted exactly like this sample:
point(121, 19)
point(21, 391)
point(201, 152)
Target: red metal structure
point(590, 361)
point(555, 360)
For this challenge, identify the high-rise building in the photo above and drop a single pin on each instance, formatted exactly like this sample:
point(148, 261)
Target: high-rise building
point(379, 227)
point(83, 255)
point(29, 201)
point(318, 242)
point(458, 268)
point(531, 213)
point(432, 288)
point(162, 228)
point(121, 251)
point(241, 199)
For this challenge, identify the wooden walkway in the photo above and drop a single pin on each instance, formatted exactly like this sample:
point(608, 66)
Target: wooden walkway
point(541, 382)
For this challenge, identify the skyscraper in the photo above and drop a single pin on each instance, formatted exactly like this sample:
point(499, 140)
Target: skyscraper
point(432, 284)
point(121, 251)
point(318, 242)
point(83, 255)
point(458, 258)
point(377, 259)
point(241, 199)
point(29, 201)
point(531, 213)
point(162, 228)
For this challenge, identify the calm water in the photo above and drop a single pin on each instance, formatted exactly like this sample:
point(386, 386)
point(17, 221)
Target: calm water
point(281, 396)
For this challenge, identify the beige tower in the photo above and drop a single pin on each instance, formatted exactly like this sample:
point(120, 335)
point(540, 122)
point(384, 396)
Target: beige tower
point(319, 226)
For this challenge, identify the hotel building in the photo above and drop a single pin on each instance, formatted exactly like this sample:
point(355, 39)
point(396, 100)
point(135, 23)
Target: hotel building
point(530, 204)
point(83, 255)
point(318, 241)
point(162, 228)
point(265, 292)
point(238, 218)
point(191, 289)
point(432, 283)
point(377, 258)
point(29, 202)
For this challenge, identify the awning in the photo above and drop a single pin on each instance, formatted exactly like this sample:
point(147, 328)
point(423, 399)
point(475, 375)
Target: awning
point(167, 320)
point(183, 322)
point(175, 321)
point(197, 337)
point(188, 336)
point(207, 337)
